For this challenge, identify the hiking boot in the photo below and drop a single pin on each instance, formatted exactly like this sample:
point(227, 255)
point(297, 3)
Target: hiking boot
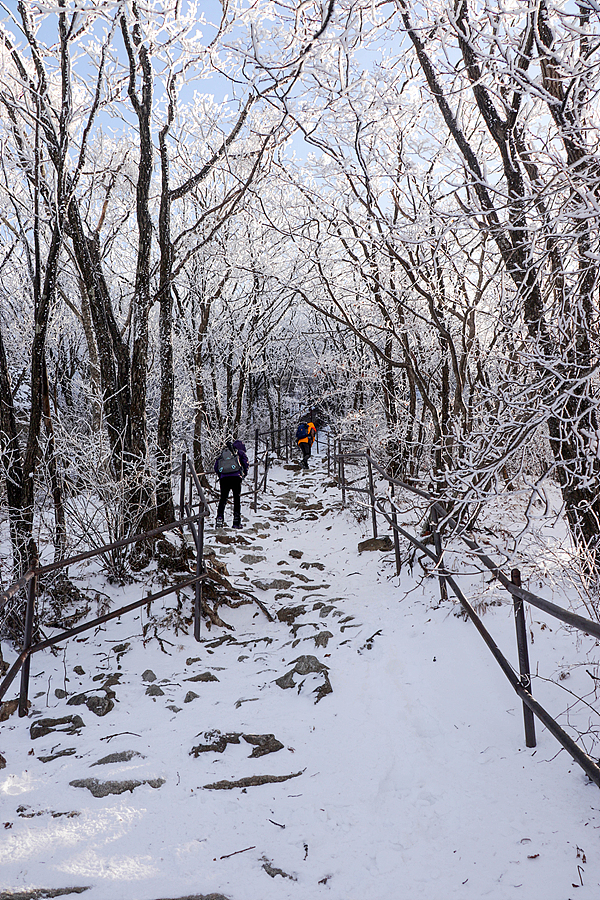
point(237, 523)
point(220, 522)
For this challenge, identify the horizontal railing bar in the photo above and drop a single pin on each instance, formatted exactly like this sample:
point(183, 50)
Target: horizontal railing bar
point(199, 488)
point(89, 554)
point(123, 542)
point(564, 615)
point(149, 598)
point(192, 526)
point(587, 764)
point(588, 626)
point(79, 629)
point(580, 756)
point(15, 587)
point(22, 660)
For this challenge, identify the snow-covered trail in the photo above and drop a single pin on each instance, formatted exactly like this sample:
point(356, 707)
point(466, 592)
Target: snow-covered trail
point(409, 780)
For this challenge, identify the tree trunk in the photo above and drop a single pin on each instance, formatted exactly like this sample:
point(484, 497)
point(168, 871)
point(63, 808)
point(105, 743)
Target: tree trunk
point(56, 486)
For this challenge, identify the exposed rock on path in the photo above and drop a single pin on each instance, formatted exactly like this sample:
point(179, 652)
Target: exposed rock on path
point(43, 893)
point(41, 727)
point(252, 781)
point(104, 788)
point(383, 543)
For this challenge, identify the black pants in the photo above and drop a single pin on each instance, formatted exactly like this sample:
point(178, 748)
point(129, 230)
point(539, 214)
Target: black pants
point(305, 447)
point(231, 483)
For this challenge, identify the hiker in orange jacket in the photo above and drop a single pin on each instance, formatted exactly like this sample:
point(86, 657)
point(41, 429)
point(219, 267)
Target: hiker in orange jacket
point(305, 436)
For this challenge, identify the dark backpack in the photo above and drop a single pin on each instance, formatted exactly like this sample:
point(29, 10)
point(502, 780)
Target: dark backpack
point(229, 463)
point(302, 431)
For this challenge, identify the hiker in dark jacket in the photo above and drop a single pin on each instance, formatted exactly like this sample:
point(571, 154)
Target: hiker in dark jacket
point(231, 467)
point(305, 436)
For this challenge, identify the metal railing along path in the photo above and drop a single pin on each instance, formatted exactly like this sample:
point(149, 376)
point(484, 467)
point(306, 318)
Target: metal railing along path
point(521, 681)
point(194, 521)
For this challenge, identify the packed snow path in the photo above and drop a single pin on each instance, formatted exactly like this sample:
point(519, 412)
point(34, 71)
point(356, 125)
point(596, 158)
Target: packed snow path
point(408, 778)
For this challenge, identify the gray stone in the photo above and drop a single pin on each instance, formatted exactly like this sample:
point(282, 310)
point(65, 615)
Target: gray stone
point(77, 700)
point(123, 756)
point(195, 897)
point(69, 751)
point(190, 696)
point(215, 742)
point(43, 893)
point(251, 559)
point(384, 543)
point(148, 675)
point(79, 670)
point(173, 708)
point(153, 690)
point(289, 613)
point(286, 681)
point(2, 762)
point(277, 584)
point(321, 639)
point(100, 706)
point(205, 676)
point(263, 744)
point(231, 539)
point(296, 554)
point(8, 707)
point(104, 788)
point(273, 870)
point(304, 504)
point(60, 694)
point(41, 727)
point(303, 578)
point(303, 665)
point(252, 781)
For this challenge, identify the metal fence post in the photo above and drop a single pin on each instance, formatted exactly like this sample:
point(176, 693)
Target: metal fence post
point(31, 594)
point(342, 478)
point(182, 487)
point(198, 585)
point(372, 494)
point(395, 530)
point(328, 455)
point(255, 502)
point(437, 546)
point(528, 719)
point(267, 462)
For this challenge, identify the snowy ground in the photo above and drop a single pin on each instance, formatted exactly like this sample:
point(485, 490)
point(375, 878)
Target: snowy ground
point(410, 780)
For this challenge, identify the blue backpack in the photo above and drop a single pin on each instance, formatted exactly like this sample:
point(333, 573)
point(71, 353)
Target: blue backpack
point(229, 463)
point(302, 431)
